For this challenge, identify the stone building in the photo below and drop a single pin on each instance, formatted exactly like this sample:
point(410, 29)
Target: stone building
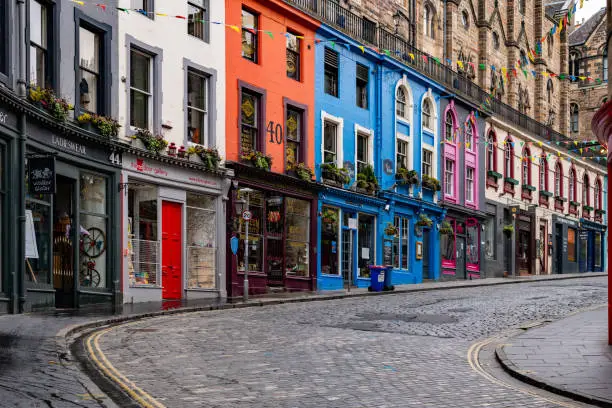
point(587, 57)
point(490, 32)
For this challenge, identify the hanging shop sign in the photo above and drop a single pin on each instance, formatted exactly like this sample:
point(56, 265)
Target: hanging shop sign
point(41, 175)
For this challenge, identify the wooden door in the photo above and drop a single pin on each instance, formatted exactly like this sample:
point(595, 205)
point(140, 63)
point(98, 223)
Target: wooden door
point(172, 253)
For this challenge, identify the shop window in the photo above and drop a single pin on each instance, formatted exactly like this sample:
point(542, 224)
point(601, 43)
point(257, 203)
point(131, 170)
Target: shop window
point(294, 131)
point(332, 72)
point(143, 239)
point(363, 151)
point(571, 245)
point(250, 121)
point(297, 222)
point(426, 115)
point(40, 21)
point(198, 16)
point(427, 164)
point(401, 247)
point(201, 241)
point(141, 89)
point(401, 158)
point(449, 177)
point(93, 232)
point(256, 231)
point(597, 250)
point(293, 56)
point(473, 244)
point(330, 142)
point(330, 237)
point(361, 85)
point(250, 38)
point(197, 107)
point(489, 239)
point(469, 184)
point(90, 83)
point(366, 244)
point(447, 246)
point(145, 7)
point(38, 269)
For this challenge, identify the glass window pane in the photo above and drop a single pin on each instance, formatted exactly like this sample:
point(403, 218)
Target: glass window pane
point(490, 239)
point(37, 66)
point(597, 252)
point(139, 113)
point(88, 89)
point(143, 244)
point(196, 90)
point(201, 242)
point(298, 237)
point(94, 242)
point(365, 237)
point(197, 20)
point(249, 109)
point(330, 227)
point(140, 75)
point(38, 24)
point(294, 124)
point(89, 50)
point(571, 245)
point(256, 224)
point(38, 270)
point(93, 193)
point(473, 247)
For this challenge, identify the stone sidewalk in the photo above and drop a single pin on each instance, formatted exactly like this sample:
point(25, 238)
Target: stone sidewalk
point(570, 357)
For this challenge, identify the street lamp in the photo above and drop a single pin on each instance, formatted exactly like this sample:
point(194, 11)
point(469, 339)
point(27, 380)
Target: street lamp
point(245, 214)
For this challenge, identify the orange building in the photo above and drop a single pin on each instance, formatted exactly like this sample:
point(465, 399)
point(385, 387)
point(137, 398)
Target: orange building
point(270, 144)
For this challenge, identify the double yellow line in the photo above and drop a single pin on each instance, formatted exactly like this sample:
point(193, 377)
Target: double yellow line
point(96, 354)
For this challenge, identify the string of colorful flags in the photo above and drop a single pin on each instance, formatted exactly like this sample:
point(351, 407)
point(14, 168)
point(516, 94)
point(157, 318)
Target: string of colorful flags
point(506, 72)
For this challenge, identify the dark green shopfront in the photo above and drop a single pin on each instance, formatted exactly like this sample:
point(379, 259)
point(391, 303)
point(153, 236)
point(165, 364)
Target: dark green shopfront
point(61, 249)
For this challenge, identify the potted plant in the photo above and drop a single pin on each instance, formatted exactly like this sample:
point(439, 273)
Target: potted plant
point(85, 120)
point(430, 183)
point(424, 221)
point(366, 180)
point(210, 157)
point(334, 175)
point(107, 127)
point(257, 159)
point(391, 230)
point(446, 228)
point(154, 144)
point(302, 171)
point(406, 177)
point(46, 99)
point(329, 217)
point(508, 230)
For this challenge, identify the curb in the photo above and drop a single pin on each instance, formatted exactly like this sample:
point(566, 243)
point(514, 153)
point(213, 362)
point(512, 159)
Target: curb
point(68, 338)
point(536, 381)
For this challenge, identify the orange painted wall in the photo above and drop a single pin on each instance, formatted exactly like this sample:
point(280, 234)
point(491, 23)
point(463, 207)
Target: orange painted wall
point(270, 73)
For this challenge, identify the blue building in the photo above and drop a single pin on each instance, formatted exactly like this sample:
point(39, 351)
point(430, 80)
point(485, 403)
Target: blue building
point(374, 116)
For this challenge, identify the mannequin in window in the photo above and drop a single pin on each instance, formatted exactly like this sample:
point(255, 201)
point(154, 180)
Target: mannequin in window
point(84, 91)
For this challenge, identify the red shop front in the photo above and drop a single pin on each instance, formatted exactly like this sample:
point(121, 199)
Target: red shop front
point(281, 233)
point(461, 250)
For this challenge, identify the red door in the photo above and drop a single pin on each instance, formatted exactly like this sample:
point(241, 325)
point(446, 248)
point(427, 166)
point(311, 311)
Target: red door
point(172, 265)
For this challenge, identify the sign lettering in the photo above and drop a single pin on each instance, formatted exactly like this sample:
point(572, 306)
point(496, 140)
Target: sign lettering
point(41, 175)
point(68, 145)
point(275, 130)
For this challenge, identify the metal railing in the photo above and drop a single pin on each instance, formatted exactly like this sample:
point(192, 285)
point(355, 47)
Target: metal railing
point(201, 267)
point(401, 49)
point(144, 267)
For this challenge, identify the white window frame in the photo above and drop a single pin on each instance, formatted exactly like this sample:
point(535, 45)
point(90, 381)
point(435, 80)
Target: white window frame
point(469, 182)
point(339, 241)
point(205, 112)
point(150, 94)
point(432, 166)
point(372, 250)
point(409, 108)
point(370, 134)
point(401, 219)
point(326, 117)
point(452, 192)
point(433, 148)
point(434, 113)
point(403, 140)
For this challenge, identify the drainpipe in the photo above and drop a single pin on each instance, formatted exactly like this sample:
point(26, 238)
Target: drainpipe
point(444, 54)
point(18, 292)
point(379, 88)
point(21, 78)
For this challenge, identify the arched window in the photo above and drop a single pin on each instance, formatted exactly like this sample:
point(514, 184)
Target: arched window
point(469, 135)
point(495, 40)
point(524, 61)
point(465, 19)
point(605, 64)
point(574, 124)
point(450, 127)
point(597, 194)
point(551, 44)
point(525, 167)
point(558, 178)
point(508, 159)
point(400, 102)
point(549, 90)
point(543, 173)
point(491, 165)
point(429, 20)
point(572, 184)
point(585, 190)
point(426, 119)
point(574, 64)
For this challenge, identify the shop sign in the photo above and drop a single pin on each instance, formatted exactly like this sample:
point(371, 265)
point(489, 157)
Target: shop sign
point(388, 252)
point(68, 145)
point(246, 215)
point(169, 173)
point(41, 175)
point(8, 119)
point(565, 222)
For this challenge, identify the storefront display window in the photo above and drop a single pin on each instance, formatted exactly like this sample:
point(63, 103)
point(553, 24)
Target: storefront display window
point(330, 228)
point(571, 245)
point(489, 239)
point(298, 237)
point(201, 241)
point(143, 241)
point(401, 252)
point(584, 245)
point(597, 250)
point(275, 223)
point(256, 207)
point(447, 245)
point(93, 232)
point(473, 244)
point(38, 269)
point(366, 244)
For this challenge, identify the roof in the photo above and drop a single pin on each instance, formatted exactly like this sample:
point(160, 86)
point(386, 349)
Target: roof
point(553, 7)
point(581, 34)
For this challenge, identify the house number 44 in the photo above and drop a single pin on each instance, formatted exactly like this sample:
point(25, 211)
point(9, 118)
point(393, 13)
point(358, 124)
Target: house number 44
point(115, 158)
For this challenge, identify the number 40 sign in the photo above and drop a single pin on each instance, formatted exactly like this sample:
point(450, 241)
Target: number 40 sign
point(275, 130)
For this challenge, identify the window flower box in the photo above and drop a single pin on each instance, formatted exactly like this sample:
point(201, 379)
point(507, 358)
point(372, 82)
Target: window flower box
point(560, 199)
point(511, 181)
point(559, 202)
point(257, 159)
point(494, 174)
point(600, 211)
point(544, 193)
point(528, 187)
point(333, 175)
point(430, 183)
point(406, 177)
point(574, 203)
point(587, 208)
point(573, 208)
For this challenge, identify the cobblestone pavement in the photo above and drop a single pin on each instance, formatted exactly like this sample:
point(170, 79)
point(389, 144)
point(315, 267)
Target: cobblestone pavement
point(386, 351)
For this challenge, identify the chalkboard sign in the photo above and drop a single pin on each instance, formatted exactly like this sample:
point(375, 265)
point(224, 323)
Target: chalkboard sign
point(388, 252)
point(41, 175)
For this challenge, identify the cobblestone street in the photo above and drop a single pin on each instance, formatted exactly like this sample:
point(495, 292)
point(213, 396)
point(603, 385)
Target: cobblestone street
point(384, 351)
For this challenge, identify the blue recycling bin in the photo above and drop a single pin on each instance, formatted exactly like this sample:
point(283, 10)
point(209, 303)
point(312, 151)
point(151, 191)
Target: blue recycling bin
point(377, 278)
point(388, 285)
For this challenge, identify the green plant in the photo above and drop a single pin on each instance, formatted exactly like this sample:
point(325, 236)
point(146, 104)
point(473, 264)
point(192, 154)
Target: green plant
point(329, 217)
point(84, 118)
point(390, 230)
point(508, 229)
point(446, 228)
point(210, 157)
point(258, 159)
point(405, 176)
point(108, 127)
point(424, 221)
point(366, 179)
point(331, 172)
point(431, 183)
point(57, 107)
point(303, 171)
point(155, 144)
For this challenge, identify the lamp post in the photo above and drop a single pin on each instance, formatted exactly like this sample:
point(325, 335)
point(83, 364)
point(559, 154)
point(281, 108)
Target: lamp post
point(246, 217)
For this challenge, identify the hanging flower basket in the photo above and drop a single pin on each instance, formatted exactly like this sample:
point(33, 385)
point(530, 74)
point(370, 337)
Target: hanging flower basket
point(430, 183)
point(424, 221)
point(329, 217)
point(391, 230)
point(446, 228)
point(508, 230)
